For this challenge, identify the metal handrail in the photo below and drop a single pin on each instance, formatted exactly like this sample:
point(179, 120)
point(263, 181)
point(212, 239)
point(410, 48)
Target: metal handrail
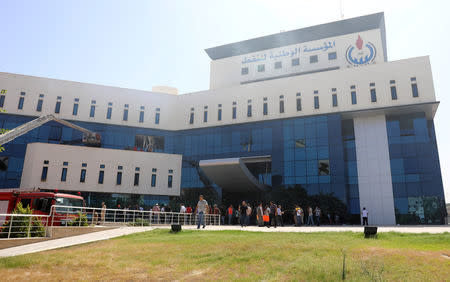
point(67, 216)
point(21, 230)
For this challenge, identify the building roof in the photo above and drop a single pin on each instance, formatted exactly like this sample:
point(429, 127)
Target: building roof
point(317, 32)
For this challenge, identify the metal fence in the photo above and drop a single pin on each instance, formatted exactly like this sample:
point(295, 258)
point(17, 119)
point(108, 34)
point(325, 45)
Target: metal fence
point(23, 226)
point(35, 226)
point(83, 216)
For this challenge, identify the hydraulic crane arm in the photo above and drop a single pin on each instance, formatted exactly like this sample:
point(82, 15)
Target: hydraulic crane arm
point(89, 138)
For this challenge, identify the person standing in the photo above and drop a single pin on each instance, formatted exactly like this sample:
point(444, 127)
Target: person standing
point(216, 215)
point(103, 213)
point(266, 217)
point(318, 213)
point(259, 215)
point(230, 213)
point(202, 207)
point(243, 211)
point(310, 221)
point(302, 215)
point(279, 216)
point(273, 210)
point(249, 214)
point(182, 214)
point(365, 216)
point(299, 213)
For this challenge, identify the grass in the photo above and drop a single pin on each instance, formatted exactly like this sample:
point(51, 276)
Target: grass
point(238, 255)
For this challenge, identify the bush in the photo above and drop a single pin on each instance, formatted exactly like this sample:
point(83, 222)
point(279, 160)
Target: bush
point(19, 228)
point(140, 222)
point(80, 220)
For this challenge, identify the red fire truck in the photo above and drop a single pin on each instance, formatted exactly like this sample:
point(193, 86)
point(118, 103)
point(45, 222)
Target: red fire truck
point(41, 203)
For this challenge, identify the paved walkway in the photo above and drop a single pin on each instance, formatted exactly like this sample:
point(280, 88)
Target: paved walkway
point(70, 241)
point(400, 229)
point(112, 233)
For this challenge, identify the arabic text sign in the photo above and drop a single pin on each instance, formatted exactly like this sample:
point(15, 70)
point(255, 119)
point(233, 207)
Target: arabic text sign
point(288, 52)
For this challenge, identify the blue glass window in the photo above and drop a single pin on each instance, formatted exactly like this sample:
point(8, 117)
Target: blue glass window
point(44, 173)
point(332, 56)
point(205, 116)
point(141, 116)
point(92, 111)
point(136, 179)
point(261, 68)
point(101, 176)
point(281, 106)
point(373, 95)
point(153, 180)
point(157, 118)
point(57, 107)
point(249, 110)
point(119, 178)
point(64, 174)
point(83, 176)
point(191, 118)
point(244, 71)
point(125, 114)
point(394, 92)
point(316, 102)
point(353, 93)
point(415, 91)
point(299, 104)
point(335, 101)
point(313, 59)
point(21, 101)
point(75, 109)
point(109, 113)
point(169, 182)
point(219, 114)
point(234, 113)
point(39, 105)
point(2, 101)
point(265, 109)
point(295, 62)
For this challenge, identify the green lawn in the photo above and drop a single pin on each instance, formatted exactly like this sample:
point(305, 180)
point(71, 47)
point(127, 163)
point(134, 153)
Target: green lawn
point(240, 255)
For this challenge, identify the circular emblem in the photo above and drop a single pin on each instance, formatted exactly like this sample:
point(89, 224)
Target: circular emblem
point(361, 53)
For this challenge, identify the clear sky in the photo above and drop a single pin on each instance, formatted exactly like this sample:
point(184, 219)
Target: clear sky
point(139, 44)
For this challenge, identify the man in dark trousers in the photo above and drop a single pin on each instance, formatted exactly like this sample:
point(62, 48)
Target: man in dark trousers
point(243, 212)
point(272, 217)
point(365, 216)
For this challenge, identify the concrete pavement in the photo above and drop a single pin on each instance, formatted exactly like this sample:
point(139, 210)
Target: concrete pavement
point(400, 229)
point(70, 241)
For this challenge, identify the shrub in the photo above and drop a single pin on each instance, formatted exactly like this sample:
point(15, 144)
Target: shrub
point(140, 222)
point(20, 225)
point(80, 220)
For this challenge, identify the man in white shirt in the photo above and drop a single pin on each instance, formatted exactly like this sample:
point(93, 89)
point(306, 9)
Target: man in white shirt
point(182, 217)
point(202, 207)
point(365, 216)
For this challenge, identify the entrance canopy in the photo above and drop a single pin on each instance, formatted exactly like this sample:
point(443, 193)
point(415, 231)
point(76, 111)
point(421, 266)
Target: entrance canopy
point(232, 175)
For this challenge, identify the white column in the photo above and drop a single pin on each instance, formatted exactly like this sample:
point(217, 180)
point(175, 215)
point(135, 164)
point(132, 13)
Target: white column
point(374, 169)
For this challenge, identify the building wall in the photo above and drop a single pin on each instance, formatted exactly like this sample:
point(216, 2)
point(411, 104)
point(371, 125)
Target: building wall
point(374, 172)
point(228, 71)
point(416, 174)
point(175, 110)
point(75, 156)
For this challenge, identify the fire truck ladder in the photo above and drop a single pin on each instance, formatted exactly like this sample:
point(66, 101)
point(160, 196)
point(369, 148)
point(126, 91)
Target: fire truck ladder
point(89, 138)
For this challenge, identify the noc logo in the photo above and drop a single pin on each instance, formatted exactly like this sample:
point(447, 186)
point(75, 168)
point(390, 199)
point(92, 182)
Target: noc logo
point(361, 53)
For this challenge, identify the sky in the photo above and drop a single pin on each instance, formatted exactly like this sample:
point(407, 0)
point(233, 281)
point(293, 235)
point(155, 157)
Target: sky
point(140, 44)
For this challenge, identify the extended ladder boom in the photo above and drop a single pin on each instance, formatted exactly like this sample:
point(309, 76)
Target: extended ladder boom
point(89, 137)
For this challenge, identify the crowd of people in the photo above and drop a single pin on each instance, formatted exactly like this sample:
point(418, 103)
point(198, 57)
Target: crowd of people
point(245, 214)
